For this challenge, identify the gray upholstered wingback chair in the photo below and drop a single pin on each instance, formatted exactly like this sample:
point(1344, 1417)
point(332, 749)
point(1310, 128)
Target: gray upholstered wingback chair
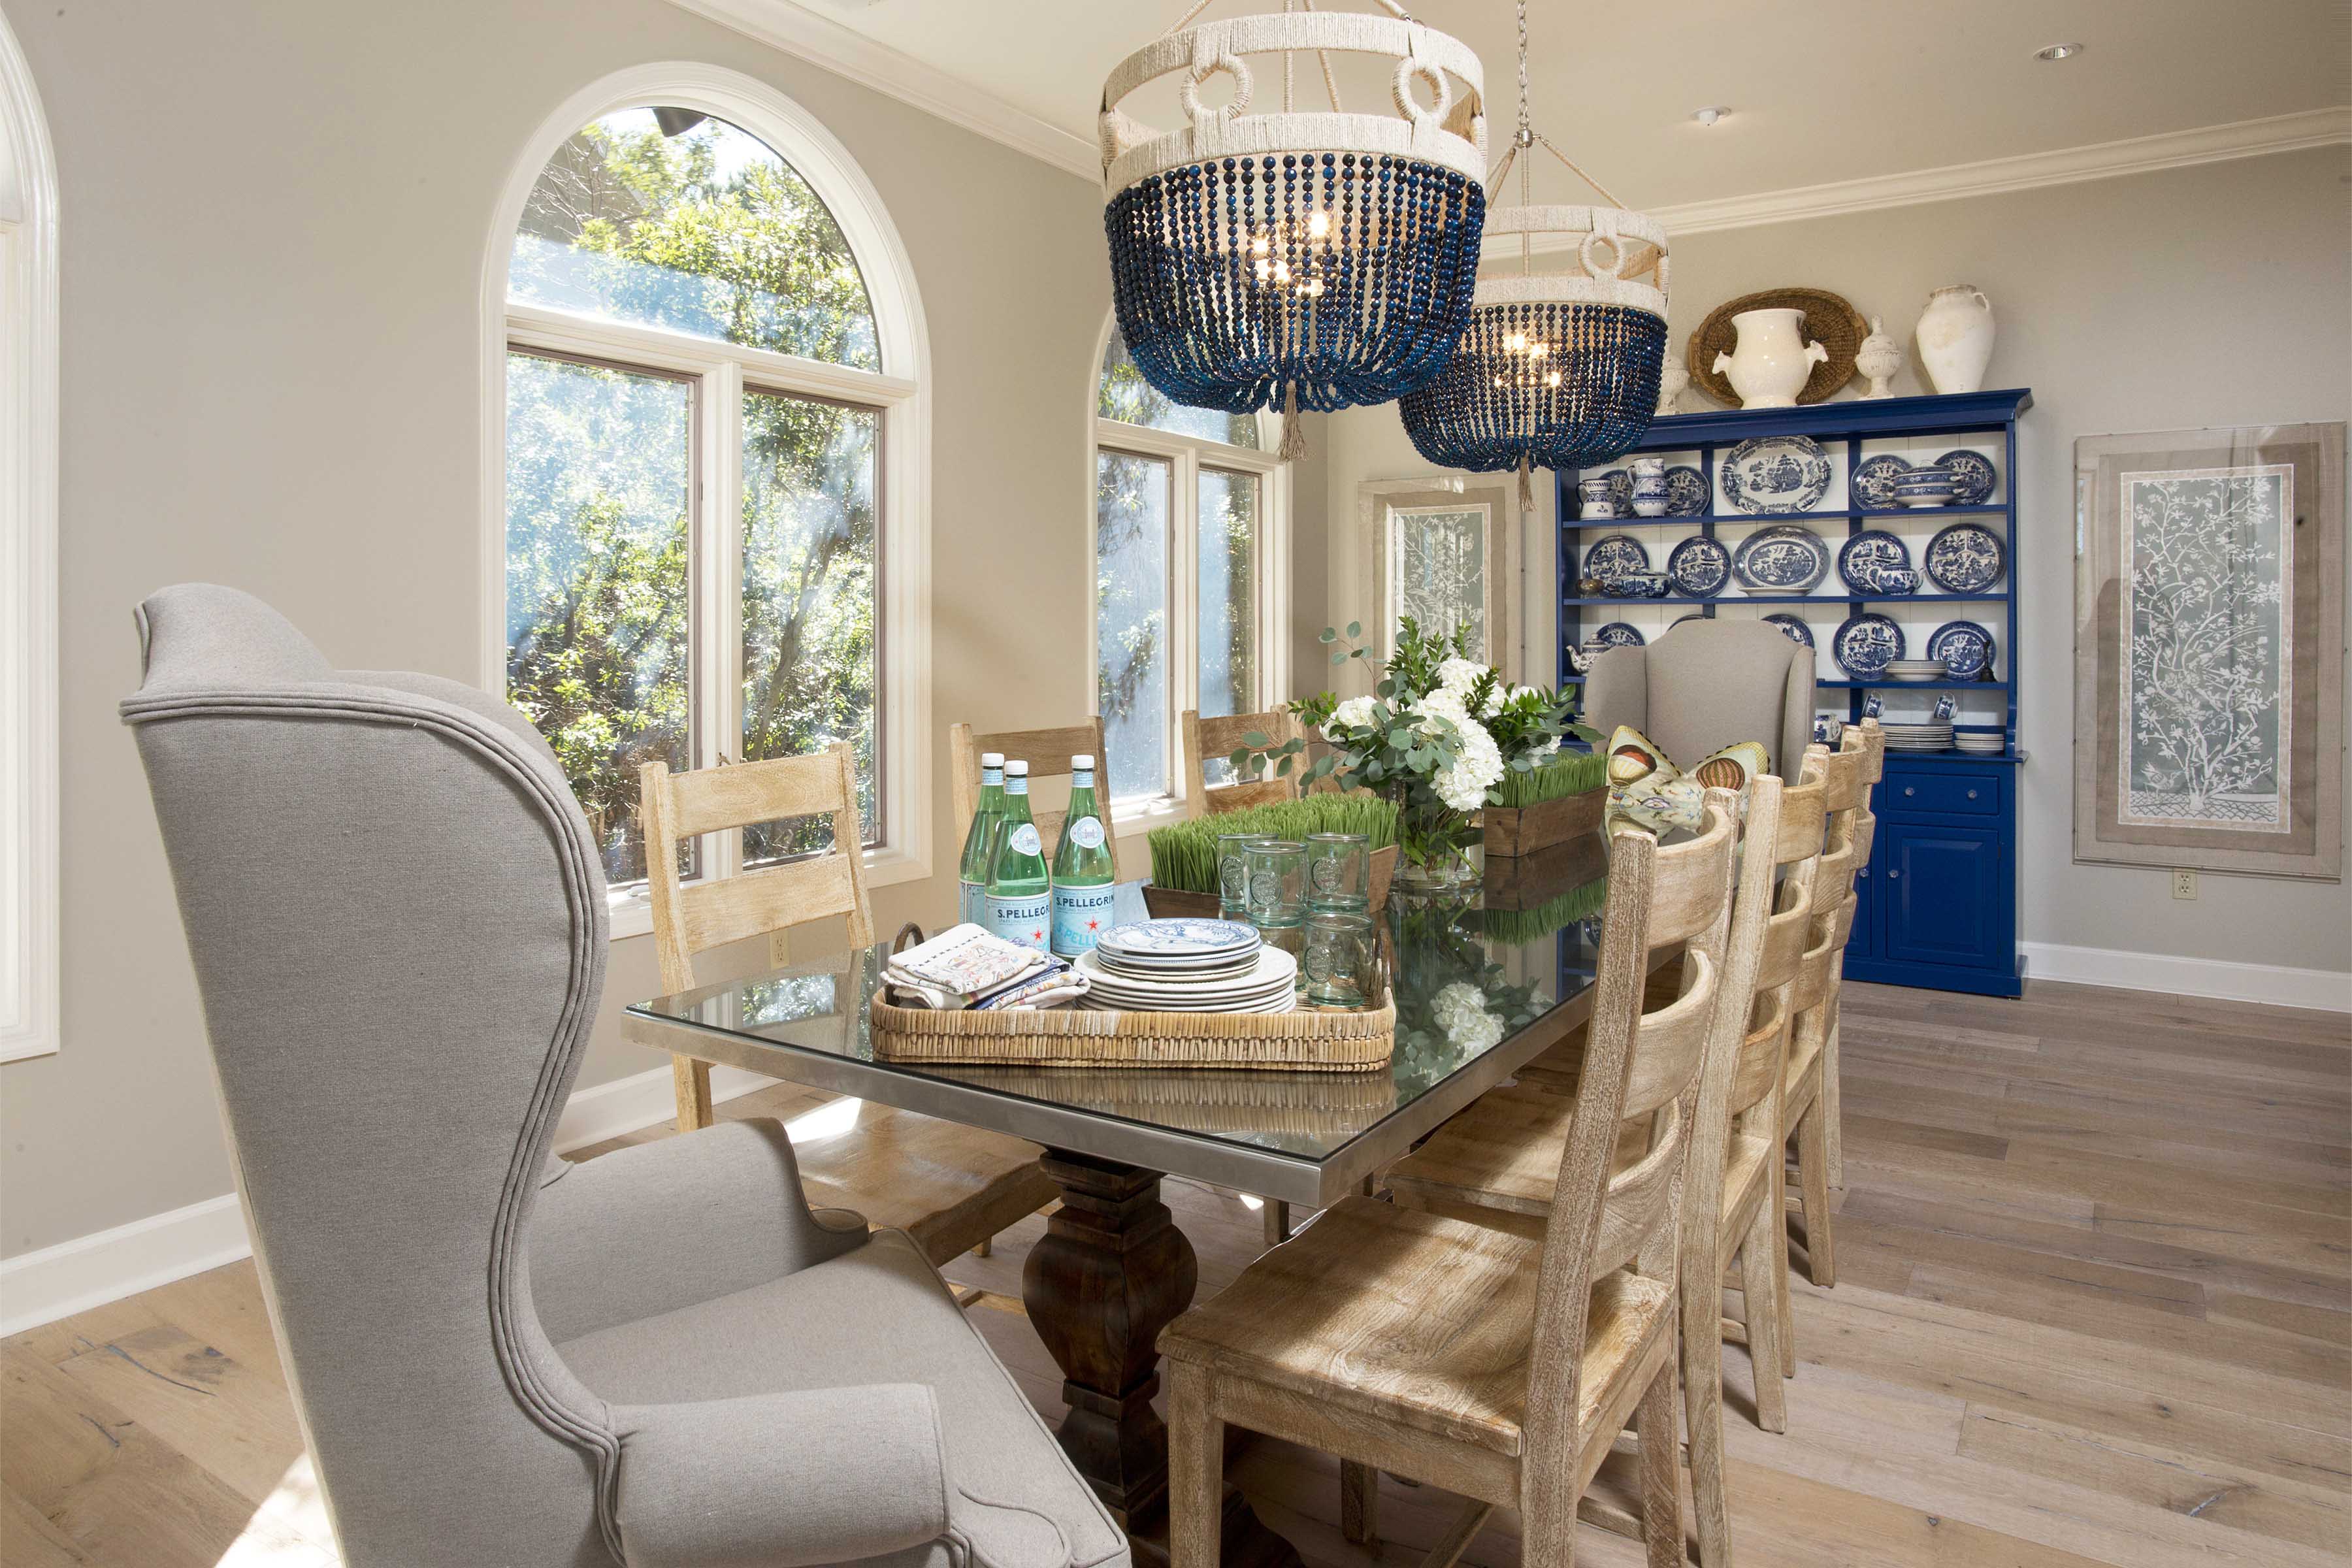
point(1707, 684)
point(656, 1358)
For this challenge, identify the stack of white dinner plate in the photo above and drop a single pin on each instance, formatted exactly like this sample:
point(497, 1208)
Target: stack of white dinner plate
point(1189, 966)
point(1919, 737)
point(1981, 742)
point(1918, 669)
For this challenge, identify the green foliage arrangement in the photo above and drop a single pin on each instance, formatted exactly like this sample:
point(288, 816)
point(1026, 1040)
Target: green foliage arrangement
point(1184, 854)
point(1568, 774)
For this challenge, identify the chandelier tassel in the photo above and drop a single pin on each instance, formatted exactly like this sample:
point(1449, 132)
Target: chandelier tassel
point(1527, 484)
point(1294, 436)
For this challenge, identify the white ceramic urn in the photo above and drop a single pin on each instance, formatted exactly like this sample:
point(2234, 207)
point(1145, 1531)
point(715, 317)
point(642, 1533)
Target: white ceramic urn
point(1956, 338)
point(1879, 358)
point(1771, 363)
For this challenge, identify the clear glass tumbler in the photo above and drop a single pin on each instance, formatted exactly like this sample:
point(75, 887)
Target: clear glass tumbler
point(1233, 874)
point(1339, 961)
point(1339, 871)
point(1277, 882)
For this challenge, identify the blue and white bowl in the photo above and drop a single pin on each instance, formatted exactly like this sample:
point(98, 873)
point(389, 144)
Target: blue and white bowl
point(1930, 485)
point(1894, 582)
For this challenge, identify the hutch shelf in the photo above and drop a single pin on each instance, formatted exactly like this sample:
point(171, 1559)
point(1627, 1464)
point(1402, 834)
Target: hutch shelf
point(1938, 901)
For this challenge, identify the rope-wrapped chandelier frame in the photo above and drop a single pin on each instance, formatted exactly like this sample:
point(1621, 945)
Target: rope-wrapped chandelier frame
point(1289, 259)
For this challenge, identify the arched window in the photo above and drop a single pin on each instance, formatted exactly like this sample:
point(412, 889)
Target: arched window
point(711, 541)
point(29, 565)
point(1189, 566)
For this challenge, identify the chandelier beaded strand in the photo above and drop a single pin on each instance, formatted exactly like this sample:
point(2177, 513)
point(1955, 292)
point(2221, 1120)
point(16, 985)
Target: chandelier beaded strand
point(1287, 259)
point(1557, 368)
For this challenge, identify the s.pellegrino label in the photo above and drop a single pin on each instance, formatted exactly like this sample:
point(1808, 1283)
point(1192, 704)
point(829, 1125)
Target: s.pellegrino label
point(1082, 872)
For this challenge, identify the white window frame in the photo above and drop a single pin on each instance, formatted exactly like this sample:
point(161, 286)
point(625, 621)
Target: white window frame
point(1392, 542)
point(29, 983)
point(899, 392)
point(1186, 456)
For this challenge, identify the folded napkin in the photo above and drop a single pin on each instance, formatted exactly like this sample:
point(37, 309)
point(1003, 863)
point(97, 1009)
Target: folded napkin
point(966, 967)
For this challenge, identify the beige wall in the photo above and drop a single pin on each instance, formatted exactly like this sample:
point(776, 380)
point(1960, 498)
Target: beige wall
point(2217, 295)
point(274, 216)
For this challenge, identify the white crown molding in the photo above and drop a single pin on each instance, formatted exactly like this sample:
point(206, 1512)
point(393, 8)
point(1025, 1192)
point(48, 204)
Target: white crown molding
point(2324, 990)
point(847, 52)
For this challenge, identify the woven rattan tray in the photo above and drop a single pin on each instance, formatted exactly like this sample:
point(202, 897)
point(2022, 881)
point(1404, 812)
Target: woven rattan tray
point(1830, 321)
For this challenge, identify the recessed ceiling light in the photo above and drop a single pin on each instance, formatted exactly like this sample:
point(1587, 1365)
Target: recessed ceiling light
point(1711, 114)
point(2058, 52)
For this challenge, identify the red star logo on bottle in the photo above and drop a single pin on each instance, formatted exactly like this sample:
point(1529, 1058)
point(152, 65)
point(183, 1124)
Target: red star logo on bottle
point(1093, 925)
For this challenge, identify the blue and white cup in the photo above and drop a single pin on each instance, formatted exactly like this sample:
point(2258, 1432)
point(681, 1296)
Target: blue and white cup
point(1598, 497)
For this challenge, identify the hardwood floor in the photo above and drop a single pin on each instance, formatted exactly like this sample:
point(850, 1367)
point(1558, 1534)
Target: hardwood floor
point(2095, 1307)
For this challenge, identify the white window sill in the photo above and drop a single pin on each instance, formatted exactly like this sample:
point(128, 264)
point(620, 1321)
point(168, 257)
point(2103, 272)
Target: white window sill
point(1129, 818)
point(629, 912)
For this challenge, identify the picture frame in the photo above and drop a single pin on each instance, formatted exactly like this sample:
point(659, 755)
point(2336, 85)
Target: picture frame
point(2208, 638)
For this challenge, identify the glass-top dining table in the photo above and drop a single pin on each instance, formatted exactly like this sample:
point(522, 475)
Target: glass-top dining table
point(1484, 980)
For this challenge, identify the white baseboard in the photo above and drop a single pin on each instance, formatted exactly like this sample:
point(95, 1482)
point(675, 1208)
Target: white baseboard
point(2327, 990)
point(55, 1282)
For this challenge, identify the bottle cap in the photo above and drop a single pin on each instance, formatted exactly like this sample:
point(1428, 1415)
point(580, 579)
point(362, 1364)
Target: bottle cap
point(992, 758)
point(1018, 768)
point(1082, 764)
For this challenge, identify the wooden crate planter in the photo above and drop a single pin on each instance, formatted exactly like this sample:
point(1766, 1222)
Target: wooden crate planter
point(1513, 831)
point(1531, 881)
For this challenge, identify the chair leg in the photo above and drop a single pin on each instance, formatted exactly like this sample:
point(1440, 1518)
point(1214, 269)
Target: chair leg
point(1196, 1470)
point(1359, 1502)
point(1834, 1133)
point(1813, 1170)
point(985, 1247)
point(690, 1082)
point(1277, 1222)
point(1661, 1490)
point(1766, 1329)
point(1776, 1263)
point(1701, 1352)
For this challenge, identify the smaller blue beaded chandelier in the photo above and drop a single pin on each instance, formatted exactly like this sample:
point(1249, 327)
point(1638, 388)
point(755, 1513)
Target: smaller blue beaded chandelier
point(1559, 367)
point(1288, 259)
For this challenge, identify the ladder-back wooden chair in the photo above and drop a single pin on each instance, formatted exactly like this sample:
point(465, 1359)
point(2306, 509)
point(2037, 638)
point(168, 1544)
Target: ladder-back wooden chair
point(951, 1188)
point(1493, 1163)
point(1491, 1364)
point(1049, 755)
point(1872, 744)
point(1208, 740)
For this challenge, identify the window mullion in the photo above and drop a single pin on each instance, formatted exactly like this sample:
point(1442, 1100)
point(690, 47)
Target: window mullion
point(718, 670)
point(1184, 605)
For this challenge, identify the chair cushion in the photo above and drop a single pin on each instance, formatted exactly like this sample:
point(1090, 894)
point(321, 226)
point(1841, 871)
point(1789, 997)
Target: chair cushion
point(876, 1315)
point(1416, 1317)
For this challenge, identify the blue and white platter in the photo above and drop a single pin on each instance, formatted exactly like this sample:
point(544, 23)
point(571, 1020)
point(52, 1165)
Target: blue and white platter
point(1964, 646)
point(1614, 554)
point(1971, 476)
point(1617, 634)
point(1180, 940)
point(1867, 644)
point(1785, 560)
point(1700, 566)
point(1795, 630)
point(1860, 557)
point(1685, 492)
point(1776, 474)
point(1873, 482)
point(1965, 558)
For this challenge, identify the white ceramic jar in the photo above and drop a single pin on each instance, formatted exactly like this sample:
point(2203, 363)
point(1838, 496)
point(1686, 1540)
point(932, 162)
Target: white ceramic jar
point(1770, 363)
point(1956, 338)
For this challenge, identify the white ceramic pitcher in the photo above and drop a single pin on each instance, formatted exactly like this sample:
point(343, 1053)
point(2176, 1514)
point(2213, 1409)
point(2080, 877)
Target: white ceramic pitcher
point(1771, 363)
point(1956, 338)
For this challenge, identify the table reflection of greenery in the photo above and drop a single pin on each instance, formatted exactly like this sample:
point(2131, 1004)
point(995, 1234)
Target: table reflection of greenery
point(1454, 1001)
point(1520, 926)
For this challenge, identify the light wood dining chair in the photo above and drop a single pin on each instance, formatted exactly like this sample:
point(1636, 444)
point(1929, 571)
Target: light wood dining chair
point(1049, 755)
point(1492, 1164)
point(950, 1187)
point(1207, 740)
point(1491, 1364)
point(1872, 744)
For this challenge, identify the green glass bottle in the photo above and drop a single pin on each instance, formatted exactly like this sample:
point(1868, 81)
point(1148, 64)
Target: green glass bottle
point(972, 892)
point(1082, 872)
point(1020, 899)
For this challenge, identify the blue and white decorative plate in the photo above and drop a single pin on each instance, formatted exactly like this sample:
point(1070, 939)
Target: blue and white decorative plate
point(1700, 566)
point(1861, 556)
point(1617, 634)
point(1178, 939)
point(1965, 558)
point(1614, 554)
point(1785, 560)
point(1776, 474)
point(1620, 488)
point(1965, 647)
point(1873, 482)
point(1685, 492)
point(1795, 630)
point(1971, 476)
point(1867, 644)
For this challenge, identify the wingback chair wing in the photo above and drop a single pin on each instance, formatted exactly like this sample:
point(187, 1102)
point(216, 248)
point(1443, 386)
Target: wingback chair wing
point(1706, 684)
point(656, 1359)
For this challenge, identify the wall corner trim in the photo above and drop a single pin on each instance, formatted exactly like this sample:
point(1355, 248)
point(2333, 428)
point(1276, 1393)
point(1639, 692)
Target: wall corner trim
point(2324, 990)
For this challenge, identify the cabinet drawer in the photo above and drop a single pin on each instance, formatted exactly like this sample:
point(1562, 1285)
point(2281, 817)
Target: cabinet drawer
point(1942, 794)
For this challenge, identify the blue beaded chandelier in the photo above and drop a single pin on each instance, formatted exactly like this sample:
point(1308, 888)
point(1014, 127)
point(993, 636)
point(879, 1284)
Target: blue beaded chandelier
point(1559, 365)
point(1292, 259)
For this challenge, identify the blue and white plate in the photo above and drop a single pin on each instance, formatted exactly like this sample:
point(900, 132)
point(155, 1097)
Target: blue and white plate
point(1685, 492)
point(1785, 560)
point(1776, 474)
point(1873, 482)
point(1861, 556)
point(1699, 567)
point(1621, 487)
point(1617, 634)
point(1966, 558)
point(1867, 644)
point(1795, 630)
point(1179, 939)
point(1614, 554)
point(1964, 646)
point(1971, 476)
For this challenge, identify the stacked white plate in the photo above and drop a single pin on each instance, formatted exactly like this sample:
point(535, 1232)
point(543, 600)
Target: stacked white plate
point(1189, 966)
point(1978, 742)
point(1919, 737)
point(1918, 669)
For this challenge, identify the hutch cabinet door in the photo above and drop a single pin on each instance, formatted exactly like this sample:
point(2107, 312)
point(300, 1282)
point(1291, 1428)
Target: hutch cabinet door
point(1941, 893)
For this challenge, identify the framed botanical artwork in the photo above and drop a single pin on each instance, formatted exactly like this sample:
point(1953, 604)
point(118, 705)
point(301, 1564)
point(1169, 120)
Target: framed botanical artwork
point(1444, 550)
point(2209, 650)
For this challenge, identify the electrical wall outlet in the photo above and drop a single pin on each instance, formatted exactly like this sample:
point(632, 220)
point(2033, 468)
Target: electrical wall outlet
point(2184, 884)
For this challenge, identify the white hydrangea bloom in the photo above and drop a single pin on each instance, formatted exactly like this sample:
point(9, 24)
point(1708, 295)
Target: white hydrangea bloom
point(1353, 714)
point(1460, 1009)
point(1459, 675)
point(1478, 769)
point(1543, 754)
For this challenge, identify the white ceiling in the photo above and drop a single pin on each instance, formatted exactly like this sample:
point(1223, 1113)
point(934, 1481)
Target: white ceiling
point(1821, 91)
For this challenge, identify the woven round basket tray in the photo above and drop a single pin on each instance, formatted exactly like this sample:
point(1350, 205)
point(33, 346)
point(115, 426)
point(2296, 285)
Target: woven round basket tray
point(1831, 321)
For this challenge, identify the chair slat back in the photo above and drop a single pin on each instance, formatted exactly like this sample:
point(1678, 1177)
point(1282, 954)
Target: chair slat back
point(768, 902)
point(1207, 739)
point(1049, 755)
point(1870, 739)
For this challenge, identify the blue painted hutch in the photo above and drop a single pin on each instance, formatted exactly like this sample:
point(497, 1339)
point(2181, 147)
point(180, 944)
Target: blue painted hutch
point(1939, 899)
